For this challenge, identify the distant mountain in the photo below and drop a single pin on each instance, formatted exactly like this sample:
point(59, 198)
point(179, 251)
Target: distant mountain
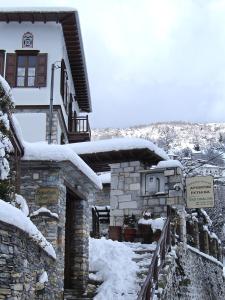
point(172, 136)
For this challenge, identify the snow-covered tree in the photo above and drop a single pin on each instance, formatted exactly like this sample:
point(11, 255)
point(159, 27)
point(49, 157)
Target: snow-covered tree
point(6, 105)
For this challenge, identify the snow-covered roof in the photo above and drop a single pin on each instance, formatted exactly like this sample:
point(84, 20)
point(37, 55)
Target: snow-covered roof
point(43, 151)
point(117, 144)
point(37, 9)
point(105, 177)
point(171, 163)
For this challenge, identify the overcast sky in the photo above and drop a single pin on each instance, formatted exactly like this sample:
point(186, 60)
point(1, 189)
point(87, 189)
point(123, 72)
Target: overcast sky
point(151, 60)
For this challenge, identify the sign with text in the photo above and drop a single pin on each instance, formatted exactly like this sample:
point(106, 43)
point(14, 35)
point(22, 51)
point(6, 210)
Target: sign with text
point(47, 195)
point(200, 192)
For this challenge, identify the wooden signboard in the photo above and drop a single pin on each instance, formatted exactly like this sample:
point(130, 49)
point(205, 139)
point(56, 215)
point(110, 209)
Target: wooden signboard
point(47, 195)
point(200, 192)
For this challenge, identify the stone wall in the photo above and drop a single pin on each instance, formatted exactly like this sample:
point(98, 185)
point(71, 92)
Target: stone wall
point(192, 275)
point(22, 261)
point(46, 184)
point(125, 191)
point(130, 193)
point(217, 213)
point(102, 198)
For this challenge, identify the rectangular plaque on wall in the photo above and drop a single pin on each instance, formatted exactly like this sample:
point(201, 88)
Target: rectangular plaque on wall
point(47, 195)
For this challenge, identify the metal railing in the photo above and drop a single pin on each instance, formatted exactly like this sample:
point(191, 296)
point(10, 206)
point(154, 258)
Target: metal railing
point(163, 246)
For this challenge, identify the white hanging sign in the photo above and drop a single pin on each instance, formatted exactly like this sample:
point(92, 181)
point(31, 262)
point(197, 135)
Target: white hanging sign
point(199, 192)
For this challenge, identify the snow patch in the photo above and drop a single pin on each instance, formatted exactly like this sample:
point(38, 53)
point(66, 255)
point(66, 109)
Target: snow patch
point(157, 223)
point(21, 203)
point(117, 144)
point(113, 262)
point(169, 164)
point(44, 210)
point(43, 277)
point(44, 151)
point(105, 177)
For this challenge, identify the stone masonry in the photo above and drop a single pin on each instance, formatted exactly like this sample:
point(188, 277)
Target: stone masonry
point(130, 196)
point(45, 184)
point(22, 262)
point(125, 191)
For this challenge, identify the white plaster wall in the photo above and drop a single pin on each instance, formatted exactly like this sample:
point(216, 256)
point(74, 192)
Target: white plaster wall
point(48, 38)
point(33, 126)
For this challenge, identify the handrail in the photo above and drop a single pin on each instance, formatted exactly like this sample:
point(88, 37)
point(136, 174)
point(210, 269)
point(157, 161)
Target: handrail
point(151, 281)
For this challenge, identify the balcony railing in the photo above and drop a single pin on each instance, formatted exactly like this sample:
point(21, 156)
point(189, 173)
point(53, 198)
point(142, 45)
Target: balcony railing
point(79, 129)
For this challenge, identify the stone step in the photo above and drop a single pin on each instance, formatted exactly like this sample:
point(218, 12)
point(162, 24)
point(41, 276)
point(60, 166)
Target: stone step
point(144, 251)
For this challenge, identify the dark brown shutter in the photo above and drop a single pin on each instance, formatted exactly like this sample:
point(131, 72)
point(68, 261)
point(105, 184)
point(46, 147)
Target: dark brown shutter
point(62, 81)
point(10, 73)
point(2, 59)
point(41, 70)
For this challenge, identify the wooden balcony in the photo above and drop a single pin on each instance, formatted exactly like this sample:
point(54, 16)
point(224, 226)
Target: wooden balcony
point(79, 129)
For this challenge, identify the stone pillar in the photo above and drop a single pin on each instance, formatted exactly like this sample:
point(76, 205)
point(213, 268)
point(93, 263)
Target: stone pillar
point(195, 234)
point(213, 247)
point(79, 276)
point(125, 191)
point(204, 241)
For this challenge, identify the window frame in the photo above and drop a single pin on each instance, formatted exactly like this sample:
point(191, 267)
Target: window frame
point(26, 53)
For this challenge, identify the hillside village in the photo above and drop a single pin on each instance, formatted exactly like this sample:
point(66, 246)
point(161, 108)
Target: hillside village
point(98, 214)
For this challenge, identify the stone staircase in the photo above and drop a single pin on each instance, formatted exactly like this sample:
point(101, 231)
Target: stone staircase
point(143, 256)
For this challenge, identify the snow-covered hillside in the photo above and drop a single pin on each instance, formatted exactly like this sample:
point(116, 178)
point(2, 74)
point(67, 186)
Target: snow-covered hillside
point(172, 135)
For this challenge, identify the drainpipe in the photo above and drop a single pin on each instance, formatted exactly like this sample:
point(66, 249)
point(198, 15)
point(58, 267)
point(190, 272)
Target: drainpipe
point(51, 105)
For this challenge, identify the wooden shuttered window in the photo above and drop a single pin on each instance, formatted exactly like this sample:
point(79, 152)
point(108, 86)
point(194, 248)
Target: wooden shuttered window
point(10, 73)
point(2, 60)
point(41, 70)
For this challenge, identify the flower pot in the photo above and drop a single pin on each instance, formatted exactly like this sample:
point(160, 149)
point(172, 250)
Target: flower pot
point(115, 233)
point(129, 234)
point(146, 233)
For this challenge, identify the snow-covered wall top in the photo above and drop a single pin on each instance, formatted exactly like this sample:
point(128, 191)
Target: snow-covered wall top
point(43, 151)
point(12, 215)
point(37, 9)
point(117, 144)
point(169, 164)
point(105, 177)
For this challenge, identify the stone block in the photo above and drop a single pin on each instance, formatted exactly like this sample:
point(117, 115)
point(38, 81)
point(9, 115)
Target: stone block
point(135, 186)
point(115, 166)
point(128, 204)
point(135, 174)
point(169, 172)
point(124, 198)
point(135, 163)
point(129, 169)
point(154, 202)
point(116, 192)
point(116, 212)
point(124, 164)
point(114, 203)
point(162, 201)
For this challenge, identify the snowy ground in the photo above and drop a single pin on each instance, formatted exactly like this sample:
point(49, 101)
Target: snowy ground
point(120, 266)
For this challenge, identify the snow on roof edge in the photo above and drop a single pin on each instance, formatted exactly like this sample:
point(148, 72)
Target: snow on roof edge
point(37, 9)
point(54, 152)
point(117, 144)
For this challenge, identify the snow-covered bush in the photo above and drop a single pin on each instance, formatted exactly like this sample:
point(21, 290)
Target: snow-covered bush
point(6, 105)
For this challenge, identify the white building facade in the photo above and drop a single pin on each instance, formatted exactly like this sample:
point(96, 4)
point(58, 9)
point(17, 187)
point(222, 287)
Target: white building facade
point(34, 44)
